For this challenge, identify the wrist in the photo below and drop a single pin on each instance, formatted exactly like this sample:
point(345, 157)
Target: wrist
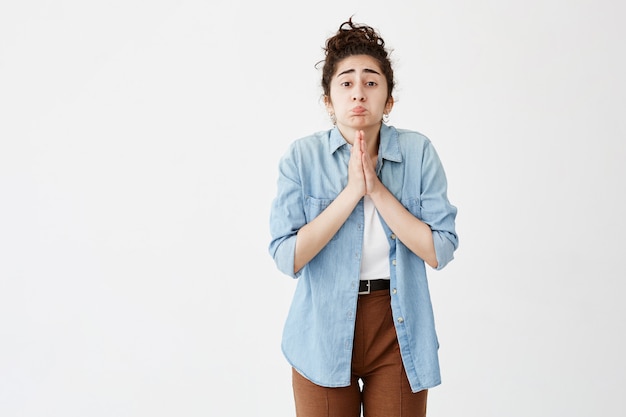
point(352, 193)
point(378, 191)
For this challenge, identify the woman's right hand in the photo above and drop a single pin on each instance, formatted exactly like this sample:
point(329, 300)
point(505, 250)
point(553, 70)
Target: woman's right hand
point(356, 176)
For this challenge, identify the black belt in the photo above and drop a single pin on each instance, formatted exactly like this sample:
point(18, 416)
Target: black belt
point(367, 286)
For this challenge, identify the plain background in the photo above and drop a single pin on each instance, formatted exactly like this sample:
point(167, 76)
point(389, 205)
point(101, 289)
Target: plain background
point(138, 160)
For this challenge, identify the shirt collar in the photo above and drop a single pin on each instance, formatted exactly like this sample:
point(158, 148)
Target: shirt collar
point(336, 140)
point(388, 149)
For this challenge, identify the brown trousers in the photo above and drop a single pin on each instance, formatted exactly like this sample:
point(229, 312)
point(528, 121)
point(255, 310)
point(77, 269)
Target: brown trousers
point(376, 363)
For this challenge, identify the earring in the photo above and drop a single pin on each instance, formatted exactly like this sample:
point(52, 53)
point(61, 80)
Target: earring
point(386, 118)
point(333, 118)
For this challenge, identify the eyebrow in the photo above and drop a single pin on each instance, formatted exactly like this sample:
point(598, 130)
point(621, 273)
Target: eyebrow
point(351, 70)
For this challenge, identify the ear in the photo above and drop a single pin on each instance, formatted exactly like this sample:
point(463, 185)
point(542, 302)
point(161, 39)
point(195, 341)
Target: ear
point(328, 104)
point(389, 105)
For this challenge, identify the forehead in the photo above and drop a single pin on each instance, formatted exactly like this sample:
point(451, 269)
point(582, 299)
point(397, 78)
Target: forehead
point(357, 63)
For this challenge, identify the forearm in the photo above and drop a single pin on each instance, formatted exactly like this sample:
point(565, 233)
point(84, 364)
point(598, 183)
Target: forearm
point(313, 236)
point(414, 233)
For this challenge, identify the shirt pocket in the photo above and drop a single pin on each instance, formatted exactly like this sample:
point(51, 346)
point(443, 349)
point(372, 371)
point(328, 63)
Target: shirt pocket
point(413, 205)
point(313, 207)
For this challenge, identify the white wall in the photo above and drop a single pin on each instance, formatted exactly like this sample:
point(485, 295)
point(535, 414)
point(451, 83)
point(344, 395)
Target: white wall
point(138, 150)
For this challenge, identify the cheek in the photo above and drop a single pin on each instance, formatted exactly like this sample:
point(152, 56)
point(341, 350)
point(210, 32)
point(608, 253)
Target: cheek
point(334, 95)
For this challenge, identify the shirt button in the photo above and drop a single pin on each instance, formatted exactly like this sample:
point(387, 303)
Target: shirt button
point(400, 320)
point(393, 262)
point(393, 236)
point(394, 291)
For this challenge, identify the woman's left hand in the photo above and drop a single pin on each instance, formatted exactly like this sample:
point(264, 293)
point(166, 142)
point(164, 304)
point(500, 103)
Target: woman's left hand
point(369, 167)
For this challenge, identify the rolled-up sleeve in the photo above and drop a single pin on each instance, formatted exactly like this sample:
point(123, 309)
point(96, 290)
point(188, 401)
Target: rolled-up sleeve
point(436, 209)
point(287, 213)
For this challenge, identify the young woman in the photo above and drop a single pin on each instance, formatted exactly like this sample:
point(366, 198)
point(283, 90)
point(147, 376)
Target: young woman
point(360, 209)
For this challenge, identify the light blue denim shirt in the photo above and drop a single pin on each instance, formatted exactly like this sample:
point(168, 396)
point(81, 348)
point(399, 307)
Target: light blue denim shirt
point(319, 330)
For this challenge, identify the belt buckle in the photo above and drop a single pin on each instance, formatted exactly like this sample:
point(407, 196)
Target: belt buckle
point(368, 290)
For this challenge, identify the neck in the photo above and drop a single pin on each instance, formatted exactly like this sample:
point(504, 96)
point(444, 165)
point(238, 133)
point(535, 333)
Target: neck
point(371, 136)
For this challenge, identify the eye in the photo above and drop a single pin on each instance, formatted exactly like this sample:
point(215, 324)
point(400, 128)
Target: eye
point(345, 84)
point(371, 83)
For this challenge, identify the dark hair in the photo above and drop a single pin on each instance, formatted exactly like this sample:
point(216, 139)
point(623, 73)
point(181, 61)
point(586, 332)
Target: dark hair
point(355, 39)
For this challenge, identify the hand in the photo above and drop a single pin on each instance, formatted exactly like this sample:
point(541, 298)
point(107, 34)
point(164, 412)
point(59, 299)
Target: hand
point(356, 175)
point(369, 167)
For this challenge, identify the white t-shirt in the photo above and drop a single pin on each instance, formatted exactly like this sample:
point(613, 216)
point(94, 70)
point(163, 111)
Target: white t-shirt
point(375, 260)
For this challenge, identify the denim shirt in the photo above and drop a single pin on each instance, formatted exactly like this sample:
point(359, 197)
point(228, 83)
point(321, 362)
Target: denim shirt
point(319, 329)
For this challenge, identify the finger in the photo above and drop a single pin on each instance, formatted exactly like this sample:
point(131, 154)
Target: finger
point(367, 162)
point(362, 140)
point(357, 140)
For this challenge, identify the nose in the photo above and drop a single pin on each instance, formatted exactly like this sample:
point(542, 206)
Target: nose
point(357, 94)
